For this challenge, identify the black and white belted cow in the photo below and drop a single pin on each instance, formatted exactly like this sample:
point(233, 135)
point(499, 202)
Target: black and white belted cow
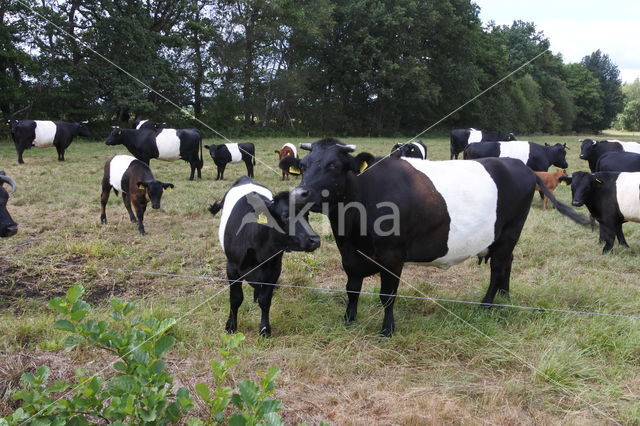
point(132, 177)
point(403, 209)
point(232, 153)
point(591, 150)
point(163, 144)
point(412, 149)
point(538, 157)
point(612, 198)
point(618, 162)
point(256, 227)
point(461, 138)
point(43, 134)
point(8, 227)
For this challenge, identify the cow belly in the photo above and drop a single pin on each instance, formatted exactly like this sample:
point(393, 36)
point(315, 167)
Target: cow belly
point(631, 147)
point(118, 165)
point(517, 150)
point(45, 134)
point(471, 198)
point(230, 200)
point(628, 195)
point(234, 150)
point(168, 144)
point(475, 136)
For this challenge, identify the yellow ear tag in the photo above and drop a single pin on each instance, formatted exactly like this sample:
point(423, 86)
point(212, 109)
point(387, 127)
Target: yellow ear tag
point(294, 170)
point(364, 166)
point(262, 219)
point(140, 186)
point(169, 188)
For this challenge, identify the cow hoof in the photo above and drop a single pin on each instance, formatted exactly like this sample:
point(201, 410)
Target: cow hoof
point(103, 221)
point(387, 332)
point(265, 332)
point(349, 318)
point(230, 327)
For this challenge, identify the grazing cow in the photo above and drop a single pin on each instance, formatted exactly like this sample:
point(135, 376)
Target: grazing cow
point(618, 162)
point(287, 150)
point(233, 153)
point(460, 138)
point(612, 198)
point(413, 150)
point(591, 150)
point(134, 179)
point(162, 144)
point(8, 227)
point(551, 181)
point(539, 158)
point(255, 229)
point(43, 134)
point(408, 210)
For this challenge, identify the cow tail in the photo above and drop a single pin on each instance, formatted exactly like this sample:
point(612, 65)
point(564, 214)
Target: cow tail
point(253, 157)
point(201, 157)
point(216, 207)
point(562, 208)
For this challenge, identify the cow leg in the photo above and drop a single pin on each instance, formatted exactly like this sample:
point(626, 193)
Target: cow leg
point(249, 167)
point(104, 198)
point(235, 299)
point(20, 160)
point(140, 209)
point(609, 236)
point(354, 285)
point(220, 173)
point(620, 235)
point(199, 167)
point(389, 281)
point(546, 199)
point(127, 205)
point(193, 170)
point(264, 300)
point(60, 153)
point(503, 286)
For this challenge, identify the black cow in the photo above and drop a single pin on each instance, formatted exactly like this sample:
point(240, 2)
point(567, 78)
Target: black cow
point(8, 227)
point(618, 162)
point(409, 210)
point(538, 157)
point(255, 229)
point(413, 150)
point(233, 153)
point(460, 138)
point(148, 124)
point(612, 198)
point(42, 134)
point(135, 180)
point(591, 150)
point(162, 144)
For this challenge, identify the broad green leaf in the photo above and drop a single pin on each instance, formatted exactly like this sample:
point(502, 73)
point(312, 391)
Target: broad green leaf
point(59, 304)
point(163, 345)
point(249, 392)
point(273, 419)
point(74, 293)
point(203, 391)
point(71, 342)
point(237, 420)
point(64, 324)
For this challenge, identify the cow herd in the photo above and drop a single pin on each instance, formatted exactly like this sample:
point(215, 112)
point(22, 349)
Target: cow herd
point(384, 211)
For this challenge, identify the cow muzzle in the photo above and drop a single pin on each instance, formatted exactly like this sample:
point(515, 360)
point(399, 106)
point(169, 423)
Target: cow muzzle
point(576, 203)
point(9, 231)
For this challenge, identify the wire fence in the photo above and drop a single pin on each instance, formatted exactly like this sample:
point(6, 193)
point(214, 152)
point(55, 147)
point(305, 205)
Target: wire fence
point(322, 289)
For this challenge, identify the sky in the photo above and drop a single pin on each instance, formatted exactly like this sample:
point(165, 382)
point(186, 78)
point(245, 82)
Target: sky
point(576, 28)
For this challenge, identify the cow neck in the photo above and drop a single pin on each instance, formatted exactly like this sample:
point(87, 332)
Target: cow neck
point(351, 193)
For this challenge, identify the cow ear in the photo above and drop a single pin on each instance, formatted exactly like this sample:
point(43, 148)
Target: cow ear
point(362, 162)
point(168, 186)
point(206, 147)
point(277, 151)
point(294, 167)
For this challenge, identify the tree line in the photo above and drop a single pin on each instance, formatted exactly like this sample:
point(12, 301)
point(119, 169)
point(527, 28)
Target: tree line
point(338, 67)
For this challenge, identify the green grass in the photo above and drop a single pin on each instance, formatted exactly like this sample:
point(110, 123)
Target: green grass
point(496, 366)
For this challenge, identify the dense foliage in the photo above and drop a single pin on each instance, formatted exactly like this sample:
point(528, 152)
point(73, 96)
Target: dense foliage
point(329, 66)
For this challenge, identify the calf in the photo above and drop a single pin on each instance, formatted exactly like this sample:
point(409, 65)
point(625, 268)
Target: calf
point(255, 229)
point(162, 144)
point(612, 198)
point(460, 138)
point(289, 166)
point(134, 179)
point(8, 227)
point(591, 150)
point(412, 150)
point(406, 210)
point(287, 150)
point(539, 158)
point(42, 134)
point(233, 153)
point(618, 162)
point(551, 181)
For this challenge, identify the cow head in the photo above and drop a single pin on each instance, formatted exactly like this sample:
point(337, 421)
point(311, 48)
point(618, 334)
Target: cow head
point(511, 137)
point(82, 130)
point(408, 150)
point(325, 173)
point(581, 186)
point(214, 151)
point(11, 124)
point(7, 226)
point(154, 190)
point(298, 235)
point(586, 147)
point(117, 137)
point(558, 155)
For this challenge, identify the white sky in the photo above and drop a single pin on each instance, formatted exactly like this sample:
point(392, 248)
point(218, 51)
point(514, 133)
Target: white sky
point(576, 28)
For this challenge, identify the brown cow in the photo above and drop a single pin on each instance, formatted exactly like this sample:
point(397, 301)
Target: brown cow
point(287, 150)
point(134, 179)
point(551, 181)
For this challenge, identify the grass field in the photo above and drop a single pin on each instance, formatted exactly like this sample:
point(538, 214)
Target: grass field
point(459, 365)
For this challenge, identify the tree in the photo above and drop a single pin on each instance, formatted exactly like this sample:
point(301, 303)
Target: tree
point(608, 76)
point(587, 97)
